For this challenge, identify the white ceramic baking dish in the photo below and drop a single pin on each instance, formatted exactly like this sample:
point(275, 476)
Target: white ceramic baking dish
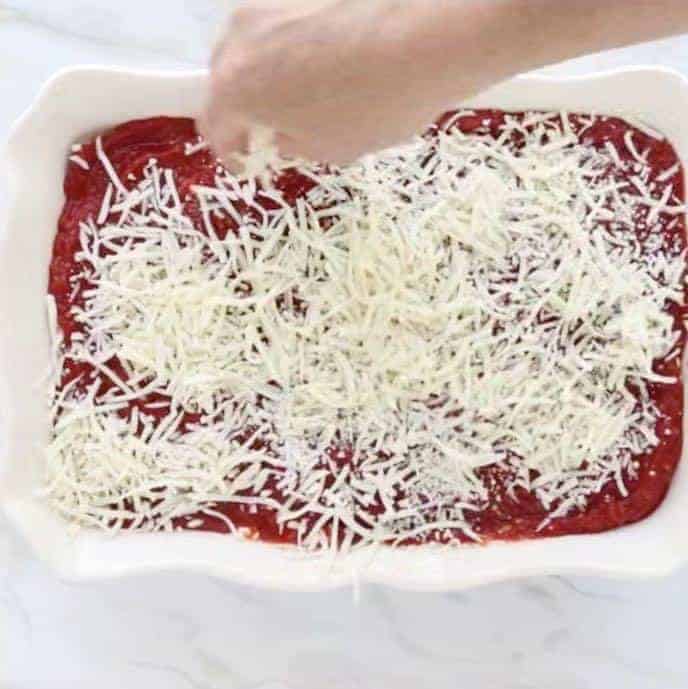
point(77, 103)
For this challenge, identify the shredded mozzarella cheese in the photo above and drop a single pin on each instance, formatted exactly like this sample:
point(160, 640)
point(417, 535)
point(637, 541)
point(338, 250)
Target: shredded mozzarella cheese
point(436, 309)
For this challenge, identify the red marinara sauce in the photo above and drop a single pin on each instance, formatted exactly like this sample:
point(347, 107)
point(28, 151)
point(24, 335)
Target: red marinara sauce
point(131, 145)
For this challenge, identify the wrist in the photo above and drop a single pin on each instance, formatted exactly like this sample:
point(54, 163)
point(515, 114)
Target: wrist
point(466, 46)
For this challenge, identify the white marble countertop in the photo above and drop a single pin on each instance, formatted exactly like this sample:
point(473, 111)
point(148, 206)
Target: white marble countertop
point(177, 631)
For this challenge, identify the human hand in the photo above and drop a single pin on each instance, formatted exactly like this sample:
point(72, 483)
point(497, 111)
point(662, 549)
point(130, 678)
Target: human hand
point(337, 78)
point(332, 78)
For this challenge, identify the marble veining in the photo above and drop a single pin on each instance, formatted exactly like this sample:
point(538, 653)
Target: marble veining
point(183, 631)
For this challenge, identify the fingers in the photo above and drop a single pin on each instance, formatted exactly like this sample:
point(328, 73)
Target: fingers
point(319, 147)
point(233, 145)
point(306, 149)
point(227, 137)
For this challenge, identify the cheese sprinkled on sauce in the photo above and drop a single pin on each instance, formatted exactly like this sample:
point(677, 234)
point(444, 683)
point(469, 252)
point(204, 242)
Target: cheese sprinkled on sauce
point(461, 302)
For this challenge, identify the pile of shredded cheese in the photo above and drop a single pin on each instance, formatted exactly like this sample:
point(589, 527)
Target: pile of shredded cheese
point(452, 304)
